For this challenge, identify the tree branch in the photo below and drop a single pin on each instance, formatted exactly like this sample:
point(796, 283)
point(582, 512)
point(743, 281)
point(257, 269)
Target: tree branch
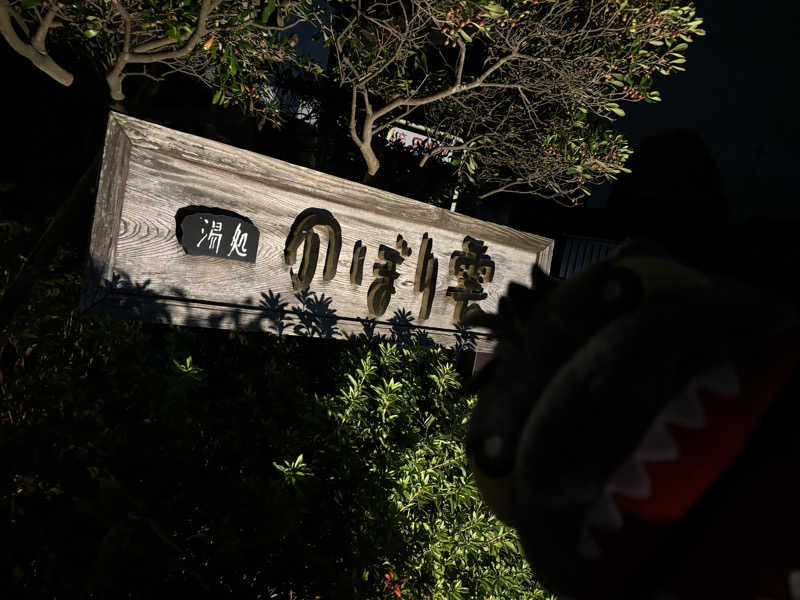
point(20, 21)
point(41, 61)
point(453, 89)
point(462, 53)
point(126, 57)
point(158, 44)
point(114, 77)
point(530, 192)
point(273, 27)
point(393, 120)
point(206, 8)
point(142, 73)
point(353, 107)
point(366, 102)
point(440, 149)
point(38, 39)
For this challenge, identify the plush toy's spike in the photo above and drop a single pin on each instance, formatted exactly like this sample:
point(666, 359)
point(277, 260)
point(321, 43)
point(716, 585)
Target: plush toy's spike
point(483, 319)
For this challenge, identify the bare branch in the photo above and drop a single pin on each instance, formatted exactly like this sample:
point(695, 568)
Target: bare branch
point(508, 189)
point(126, 56)
point(393, 120)
point(367, 105)
point(197, 36)
point(454, 89)
point(462, 53)
point(254, 25)
point(43, 62)
point(41, 33)
point(353, 109)
point(440, 149)
point(162, 43)
point(114, 77)
point(20, 21)
point(142, 73)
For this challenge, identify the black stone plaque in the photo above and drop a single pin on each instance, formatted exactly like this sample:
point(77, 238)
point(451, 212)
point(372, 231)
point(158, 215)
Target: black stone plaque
point(204, 231)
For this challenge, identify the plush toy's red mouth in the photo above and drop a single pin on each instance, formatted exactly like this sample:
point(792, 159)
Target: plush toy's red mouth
point(687, 448)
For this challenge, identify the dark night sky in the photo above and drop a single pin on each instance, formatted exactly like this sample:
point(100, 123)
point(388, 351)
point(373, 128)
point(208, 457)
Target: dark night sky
point(738, 94)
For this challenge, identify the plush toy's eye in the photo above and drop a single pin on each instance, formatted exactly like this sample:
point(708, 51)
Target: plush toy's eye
point(622, 290)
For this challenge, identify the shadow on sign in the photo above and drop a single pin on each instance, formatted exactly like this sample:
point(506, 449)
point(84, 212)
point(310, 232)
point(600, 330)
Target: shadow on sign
point(308, 314)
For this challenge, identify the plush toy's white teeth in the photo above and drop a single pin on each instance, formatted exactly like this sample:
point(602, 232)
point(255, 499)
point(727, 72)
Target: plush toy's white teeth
point(657, 445)
point(722, 380)
point(685, 410)
point(605, 514)
point(631, 480)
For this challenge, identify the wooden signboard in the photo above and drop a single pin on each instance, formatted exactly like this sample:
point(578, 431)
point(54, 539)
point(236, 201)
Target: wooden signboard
point(190, 231)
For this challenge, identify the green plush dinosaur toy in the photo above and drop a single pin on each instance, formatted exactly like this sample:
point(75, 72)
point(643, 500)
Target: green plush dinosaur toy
point(624, 422)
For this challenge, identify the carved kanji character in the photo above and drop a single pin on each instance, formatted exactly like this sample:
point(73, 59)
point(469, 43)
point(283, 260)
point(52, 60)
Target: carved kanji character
point(472, 267)
point(381, 290)
point(425, 278)
point(302, 232)
point(213, 235)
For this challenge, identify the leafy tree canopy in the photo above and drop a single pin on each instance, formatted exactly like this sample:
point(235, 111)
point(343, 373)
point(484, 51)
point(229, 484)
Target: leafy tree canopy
point(525, 90)
point(234, 46)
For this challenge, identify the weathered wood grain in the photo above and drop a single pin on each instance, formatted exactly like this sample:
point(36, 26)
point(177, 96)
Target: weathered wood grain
point(108, 208)
point(150, 172)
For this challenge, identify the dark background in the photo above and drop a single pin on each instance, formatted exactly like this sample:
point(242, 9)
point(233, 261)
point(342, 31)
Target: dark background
point(739, 94)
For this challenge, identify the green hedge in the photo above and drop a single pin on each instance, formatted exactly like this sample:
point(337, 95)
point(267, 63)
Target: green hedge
point(143, 461)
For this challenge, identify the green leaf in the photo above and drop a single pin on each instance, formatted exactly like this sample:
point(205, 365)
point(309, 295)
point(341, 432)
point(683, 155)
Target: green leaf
point(494, 10)
point(464, 35)
point(617, 111)
point(267, 12)
point(217, 97)
point(681, 46)
point(90, 33)
point(30, 3)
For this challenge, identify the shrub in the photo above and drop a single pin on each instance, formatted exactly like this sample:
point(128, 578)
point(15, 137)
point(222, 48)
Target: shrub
point(416, 507)
point(140, 461)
